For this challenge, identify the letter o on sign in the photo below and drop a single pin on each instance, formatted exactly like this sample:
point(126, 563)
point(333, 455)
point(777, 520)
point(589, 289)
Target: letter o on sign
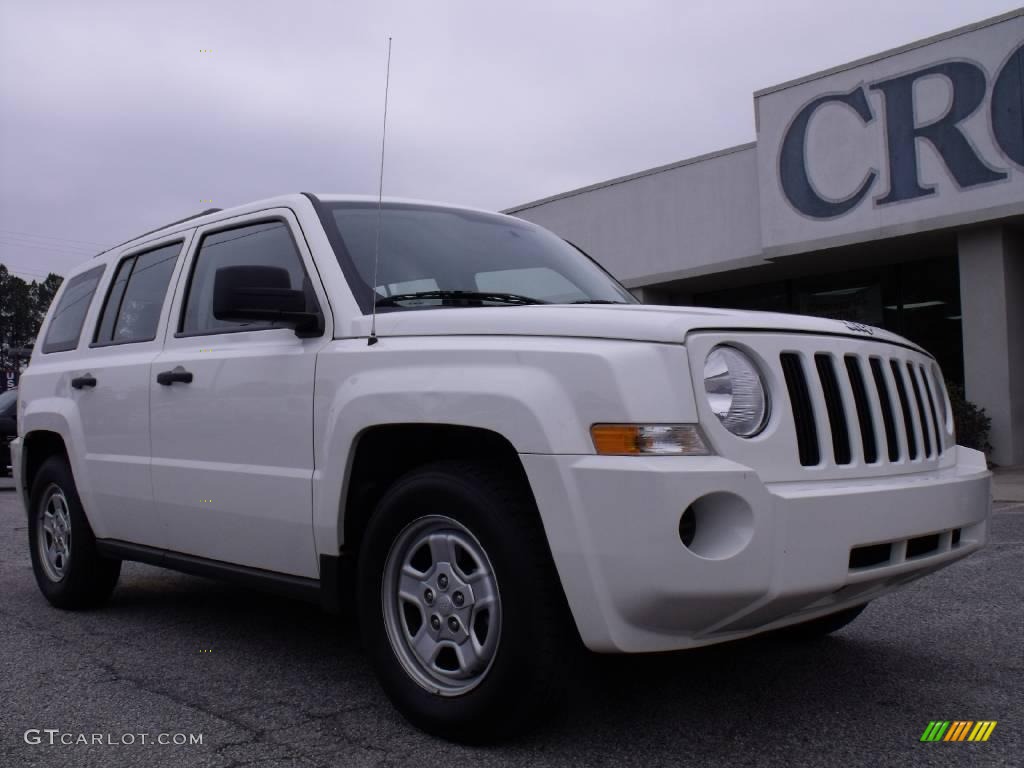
point(1008, 107)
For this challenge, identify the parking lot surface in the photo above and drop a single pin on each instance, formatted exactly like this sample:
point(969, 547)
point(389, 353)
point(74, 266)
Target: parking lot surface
point(271, 682)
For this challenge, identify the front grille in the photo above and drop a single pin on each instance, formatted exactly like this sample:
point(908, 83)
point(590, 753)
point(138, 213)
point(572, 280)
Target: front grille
point(860, 398)
point(903, 550)
point(885, 403)
point(925, 431)
point(870, 555)
point(922, 545)
point(897, 402)
point(908, 419)
point(803, 413)
point(834, 407)
point(933, 411)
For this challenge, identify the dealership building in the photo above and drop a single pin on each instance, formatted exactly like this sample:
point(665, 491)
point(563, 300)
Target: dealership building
point(888, 191)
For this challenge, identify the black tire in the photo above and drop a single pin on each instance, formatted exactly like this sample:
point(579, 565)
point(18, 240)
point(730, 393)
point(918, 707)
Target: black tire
point(537, 642)
point(87, 578)
point(823, 625)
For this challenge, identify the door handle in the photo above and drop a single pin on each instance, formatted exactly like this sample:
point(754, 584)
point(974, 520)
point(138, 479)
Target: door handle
point(179, 374)
point(80, 382)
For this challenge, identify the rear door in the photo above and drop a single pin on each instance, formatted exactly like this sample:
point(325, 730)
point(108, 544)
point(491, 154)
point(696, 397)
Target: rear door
point(113, 392)
point(232, 443)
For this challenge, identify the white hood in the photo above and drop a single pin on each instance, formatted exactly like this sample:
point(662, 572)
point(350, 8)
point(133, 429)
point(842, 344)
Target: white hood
point(638, 322)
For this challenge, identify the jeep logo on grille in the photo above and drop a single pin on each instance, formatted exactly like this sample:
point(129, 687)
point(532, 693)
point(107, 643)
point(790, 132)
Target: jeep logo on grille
point(859, 327)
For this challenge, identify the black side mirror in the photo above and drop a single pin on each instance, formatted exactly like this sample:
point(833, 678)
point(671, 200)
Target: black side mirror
point(253, 294)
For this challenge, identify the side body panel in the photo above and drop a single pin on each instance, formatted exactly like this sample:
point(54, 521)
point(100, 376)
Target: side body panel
point(541, 394)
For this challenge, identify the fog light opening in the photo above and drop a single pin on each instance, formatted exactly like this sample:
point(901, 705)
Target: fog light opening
point(688, 526)
point(717, 526)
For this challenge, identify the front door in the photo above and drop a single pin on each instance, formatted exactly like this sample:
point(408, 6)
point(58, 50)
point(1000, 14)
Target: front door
point(232, 427)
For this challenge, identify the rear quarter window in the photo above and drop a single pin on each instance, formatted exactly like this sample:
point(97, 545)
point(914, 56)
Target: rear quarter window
point(65, 326)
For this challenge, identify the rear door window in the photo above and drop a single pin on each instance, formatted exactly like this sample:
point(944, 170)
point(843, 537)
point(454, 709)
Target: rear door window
point(136, 296)
point(65, 325)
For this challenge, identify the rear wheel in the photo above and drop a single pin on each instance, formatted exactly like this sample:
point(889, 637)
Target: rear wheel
point(69, 571)
point(461, 610)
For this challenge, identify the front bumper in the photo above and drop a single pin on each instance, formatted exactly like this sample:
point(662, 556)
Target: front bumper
point(771, 554)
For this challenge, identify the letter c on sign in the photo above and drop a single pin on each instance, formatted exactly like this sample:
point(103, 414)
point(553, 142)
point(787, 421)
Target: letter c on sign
point(796, 184)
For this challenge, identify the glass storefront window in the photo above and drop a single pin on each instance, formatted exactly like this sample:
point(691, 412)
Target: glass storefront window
point(767, 297)
point(930, 304)
point(918, 299)
point(856, 296)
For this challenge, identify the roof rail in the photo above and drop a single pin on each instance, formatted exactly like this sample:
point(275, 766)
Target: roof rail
point(165, 226)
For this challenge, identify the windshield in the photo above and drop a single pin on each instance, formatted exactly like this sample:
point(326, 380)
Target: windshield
point(431, 257)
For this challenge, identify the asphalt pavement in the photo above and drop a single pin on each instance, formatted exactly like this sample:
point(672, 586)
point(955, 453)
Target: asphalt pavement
point(261, 680)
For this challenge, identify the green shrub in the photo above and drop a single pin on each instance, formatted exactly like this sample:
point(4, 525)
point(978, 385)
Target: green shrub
point(972, 423)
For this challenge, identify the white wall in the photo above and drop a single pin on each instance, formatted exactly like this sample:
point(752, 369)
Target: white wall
point(685, 219)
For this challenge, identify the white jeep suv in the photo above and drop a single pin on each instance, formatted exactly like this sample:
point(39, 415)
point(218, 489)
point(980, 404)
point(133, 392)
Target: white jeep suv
point(511, 457)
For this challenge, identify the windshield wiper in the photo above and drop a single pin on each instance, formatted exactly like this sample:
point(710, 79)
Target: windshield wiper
point(458, 296)
point(596, 301)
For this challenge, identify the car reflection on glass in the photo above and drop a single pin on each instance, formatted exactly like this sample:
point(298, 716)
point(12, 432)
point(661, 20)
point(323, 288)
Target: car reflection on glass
point(8, 428)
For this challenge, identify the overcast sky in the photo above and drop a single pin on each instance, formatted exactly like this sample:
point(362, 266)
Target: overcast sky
point(114, 119)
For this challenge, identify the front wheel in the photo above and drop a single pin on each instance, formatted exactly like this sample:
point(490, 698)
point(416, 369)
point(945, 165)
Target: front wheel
point(461, 610)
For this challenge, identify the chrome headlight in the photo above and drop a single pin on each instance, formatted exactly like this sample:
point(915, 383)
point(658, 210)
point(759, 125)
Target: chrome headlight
point(735, 391)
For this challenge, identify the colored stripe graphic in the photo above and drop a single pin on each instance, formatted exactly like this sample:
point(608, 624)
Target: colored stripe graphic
point(958, 730)
point(982, 730)
point(935, 730)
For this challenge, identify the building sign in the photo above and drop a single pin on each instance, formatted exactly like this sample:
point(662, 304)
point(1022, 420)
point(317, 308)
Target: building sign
point(916, 139)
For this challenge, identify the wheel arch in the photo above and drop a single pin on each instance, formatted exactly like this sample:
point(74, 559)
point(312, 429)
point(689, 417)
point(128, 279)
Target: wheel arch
point(38, 446)
point(53, 425)
point(382, 453)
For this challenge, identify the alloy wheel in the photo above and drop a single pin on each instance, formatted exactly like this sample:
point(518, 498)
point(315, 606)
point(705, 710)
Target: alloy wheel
point(441, 605)
point(54, 536)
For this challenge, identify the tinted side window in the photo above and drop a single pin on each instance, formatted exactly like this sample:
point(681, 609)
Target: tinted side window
point(109, 312)
point(132, 309)
point(268, 244)
point(67, 318)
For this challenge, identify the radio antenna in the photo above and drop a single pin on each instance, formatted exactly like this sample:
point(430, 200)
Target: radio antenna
point(380, 204)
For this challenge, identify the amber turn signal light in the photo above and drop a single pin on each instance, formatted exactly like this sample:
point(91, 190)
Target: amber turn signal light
point(649, 440)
